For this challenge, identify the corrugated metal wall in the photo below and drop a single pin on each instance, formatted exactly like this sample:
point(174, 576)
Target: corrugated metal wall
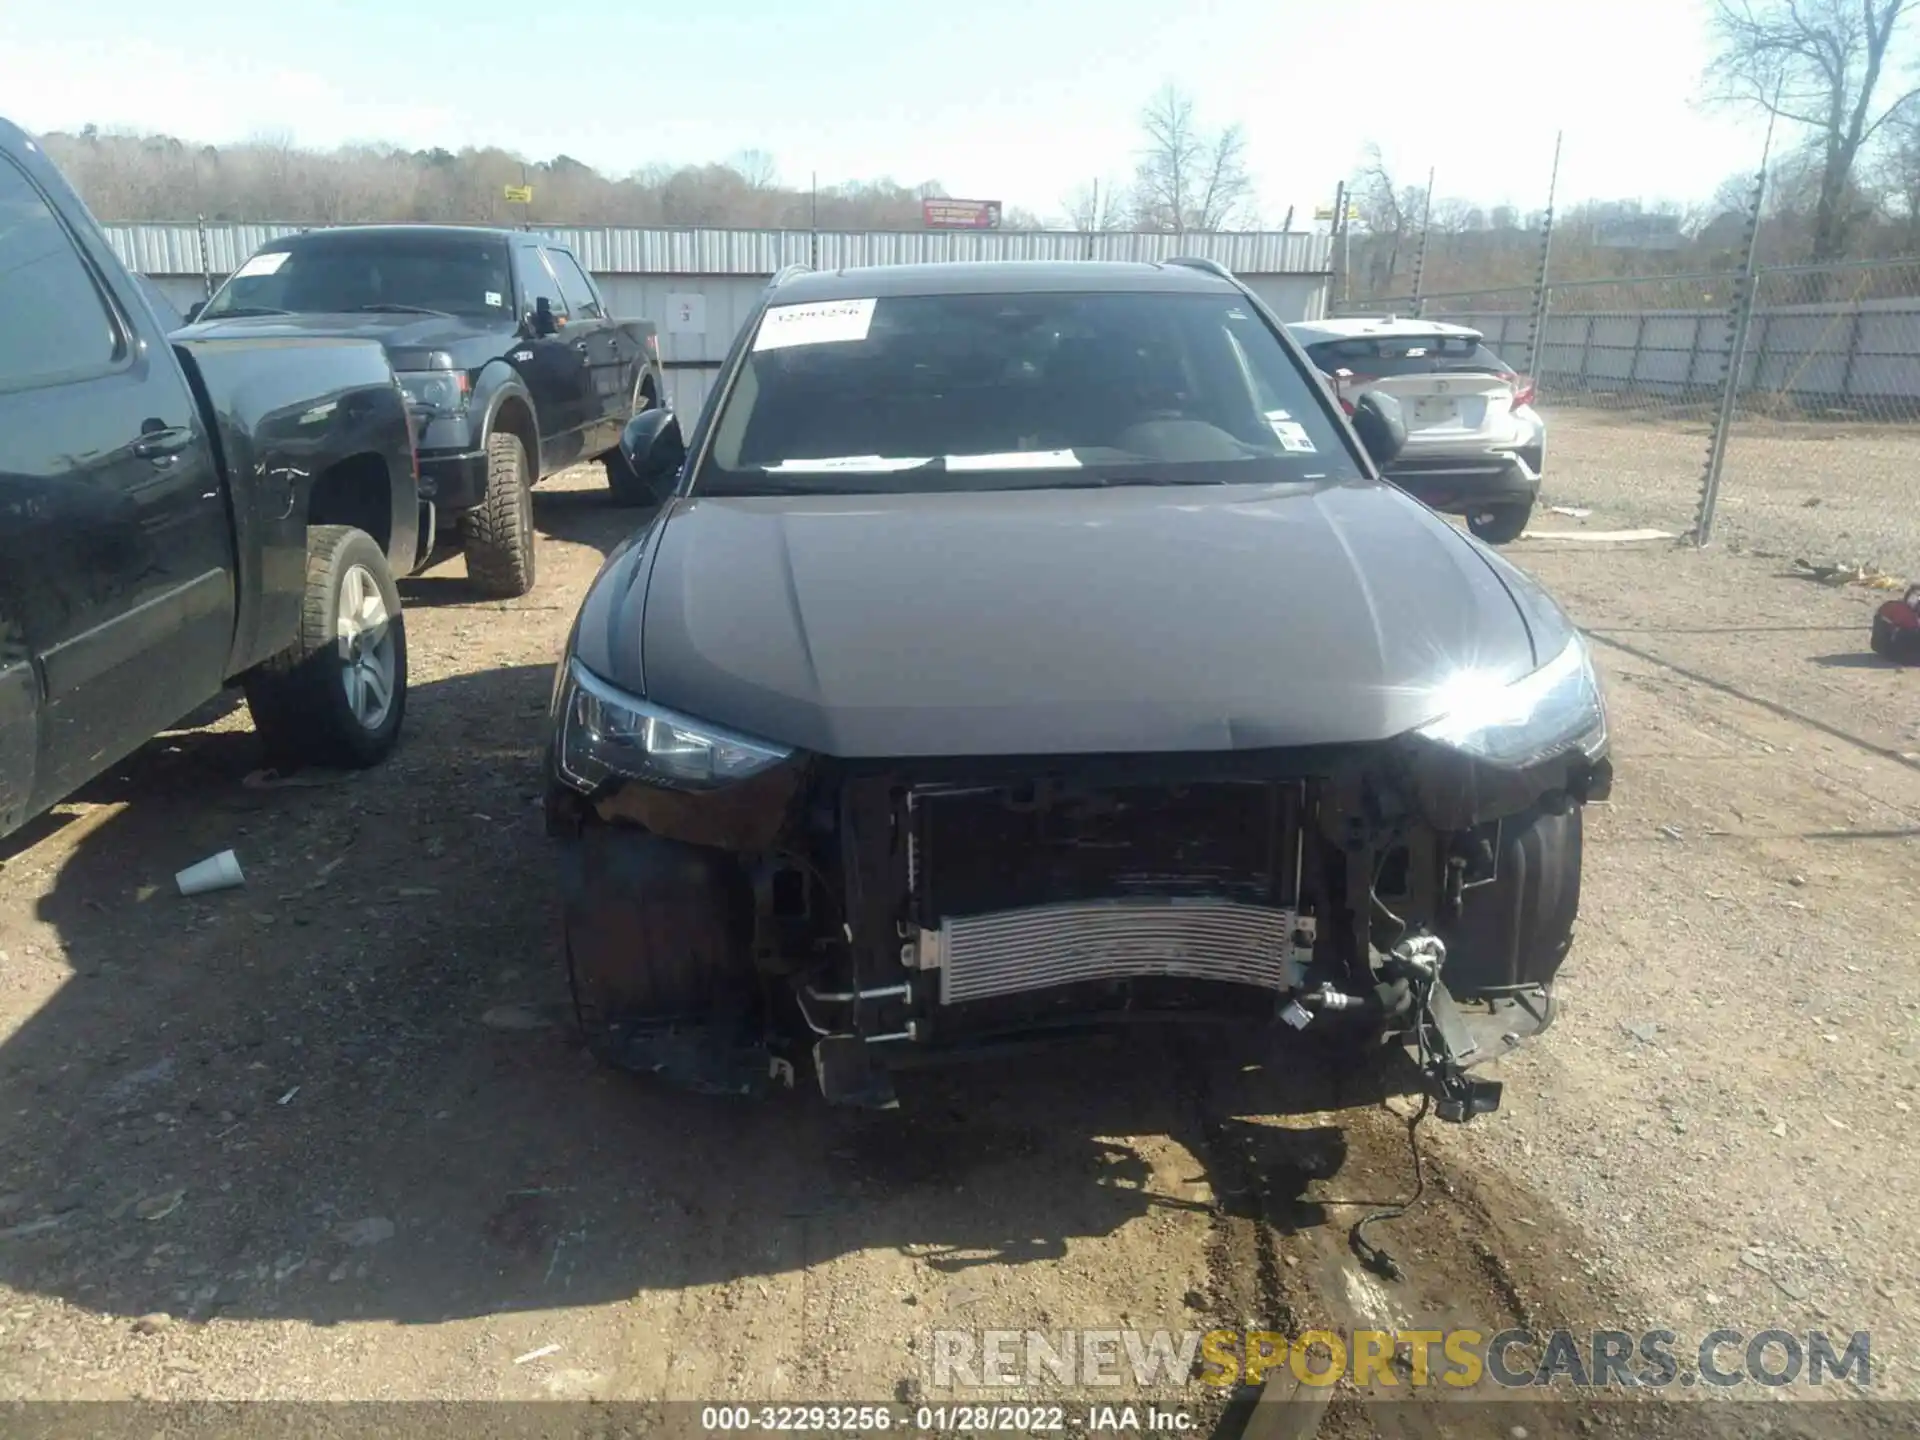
point(1834, 354)
point(175, 249)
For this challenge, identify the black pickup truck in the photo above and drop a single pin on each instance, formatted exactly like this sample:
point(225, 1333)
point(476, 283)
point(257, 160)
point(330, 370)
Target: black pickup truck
point(176, 517)
point(511, 363)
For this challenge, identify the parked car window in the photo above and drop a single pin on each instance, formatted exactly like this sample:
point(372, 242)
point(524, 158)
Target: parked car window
point(1381, 356)
point(537, 282)
point(57, 322)
point(574, 285)
point(1024, 390)
point(343, 272)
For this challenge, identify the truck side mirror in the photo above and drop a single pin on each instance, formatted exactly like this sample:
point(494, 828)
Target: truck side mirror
point(193, 311)
point(542, 321)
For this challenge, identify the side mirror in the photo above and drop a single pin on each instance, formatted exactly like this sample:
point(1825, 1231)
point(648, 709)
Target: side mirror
point(652, 445)
point(193, 311)
point(540, 320)
point(1382, 428)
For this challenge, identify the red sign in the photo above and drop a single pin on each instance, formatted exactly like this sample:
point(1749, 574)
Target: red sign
point(946, 214)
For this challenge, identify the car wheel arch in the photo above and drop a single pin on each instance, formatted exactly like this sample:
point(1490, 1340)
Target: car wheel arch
point(512, 413)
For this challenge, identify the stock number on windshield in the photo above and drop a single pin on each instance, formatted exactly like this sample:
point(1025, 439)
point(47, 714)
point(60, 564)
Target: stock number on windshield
point(868, 1419)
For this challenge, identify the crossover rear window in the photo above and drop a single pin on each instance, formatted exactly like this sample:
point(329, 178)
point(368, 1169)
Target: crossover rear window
point(1407, 355)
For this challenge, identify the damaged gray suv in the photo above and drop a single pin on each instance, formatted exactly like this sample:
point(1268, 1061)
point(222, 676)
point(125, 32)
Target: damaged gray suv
point(1026, 648)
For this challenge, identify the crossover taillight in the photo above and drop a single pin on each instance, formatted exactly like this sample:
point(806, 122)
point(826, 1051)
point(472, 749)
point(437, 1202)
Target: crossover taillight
point(1522, 390)
point(1345, 380)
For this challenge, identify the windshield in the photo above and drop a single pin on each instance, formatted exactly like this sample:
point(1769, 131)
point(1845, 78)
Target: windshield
point(997, 391)
point(335, 274)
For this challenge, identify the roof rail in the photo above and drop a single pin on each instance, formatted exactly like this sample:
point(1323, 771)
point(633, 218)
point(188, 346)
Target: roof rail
point(787, 272)
point(1201, 262)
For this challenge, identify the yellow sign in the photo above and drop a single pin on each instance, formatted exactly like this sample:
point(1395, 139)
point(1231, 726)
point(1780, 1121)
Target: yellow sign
point(1325, 212)
point(519, 194)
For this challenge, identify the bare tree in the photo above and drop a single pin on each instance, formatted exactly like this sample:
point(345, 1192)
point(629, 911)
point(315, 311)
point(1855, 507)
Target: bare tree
point(1225, 189)
point(268, 178)
point(1817, 64)
point(1187, 179)
point(1100, 205)
point(1391, 213)
point(756, 169)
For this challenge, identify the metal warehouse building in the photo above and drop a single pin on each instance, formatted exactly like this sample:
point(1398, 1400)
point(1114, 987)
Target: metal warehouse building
point(699, 285)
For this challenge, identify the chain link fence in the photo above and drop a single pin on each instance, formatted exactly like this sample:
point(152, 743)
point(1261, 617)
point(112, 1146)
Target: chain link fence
point(1823, 448)
point(1629, 375)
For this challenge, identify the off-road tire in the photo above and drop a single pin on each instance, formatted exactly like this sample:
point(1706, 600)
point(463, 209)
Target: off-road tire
point(1500, 524)
point(626, 486)
point(298, 698)
point(498, 536)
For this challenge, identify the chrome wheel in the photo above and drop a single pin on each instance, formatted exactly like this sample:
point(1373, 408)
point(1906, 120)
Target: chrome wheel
point(367, 662)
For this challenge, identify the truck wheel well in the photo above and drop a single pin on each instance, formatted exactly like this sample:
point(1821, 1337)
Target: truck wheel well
point(357, 492)
point(515, 418)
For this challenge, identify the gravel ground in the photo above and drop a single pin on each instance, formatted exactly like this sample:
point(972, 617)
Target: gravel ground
point(1824, 492)
point(328, 1136)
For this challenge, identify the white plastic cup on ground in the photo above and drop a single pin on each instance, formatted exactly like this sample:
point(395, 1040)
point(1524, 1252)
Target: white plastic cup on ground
point(216, 872)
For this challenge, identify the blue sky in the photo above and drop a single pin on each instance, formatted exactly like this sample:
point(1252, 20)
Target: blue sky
point(1015, 100)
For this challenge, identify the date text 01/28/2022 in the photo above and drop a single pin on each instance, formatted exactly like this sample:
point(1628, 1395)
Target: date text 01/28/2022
point(938, 1419)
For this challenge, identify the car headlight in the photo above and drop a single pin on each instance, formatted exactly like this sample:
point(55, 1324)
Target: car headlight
point(438, 392)
point(1555, 708)
point(606, 734)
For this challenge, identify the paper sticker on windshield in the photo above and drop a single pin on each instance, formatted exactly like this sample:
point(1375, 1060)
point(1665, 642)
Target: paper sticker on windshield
point(1017, 460)
point(858, 464)
point(825, 322)
point(1293, 436)
point(495, 299)
point(263, 264)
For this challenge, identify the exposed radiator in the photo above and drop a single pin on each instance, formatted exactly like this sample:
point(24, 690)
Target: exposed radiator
point(1012, 951)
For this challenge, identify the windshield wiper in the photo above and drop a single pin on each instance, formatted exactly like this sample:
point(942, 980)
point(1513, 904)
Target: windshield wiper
point(389, 308)
point(234, 310)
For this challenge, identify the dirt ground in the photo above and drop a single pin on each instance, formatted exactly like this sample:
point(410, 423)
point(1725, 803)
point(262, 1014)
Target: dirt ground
point(328, 1136)
point(1818, 490)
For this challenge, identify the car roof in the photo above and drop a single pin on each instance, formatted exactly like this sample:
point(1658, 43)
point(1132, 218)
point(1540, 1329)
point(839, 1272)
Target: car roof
point(999, 277)
point(444, 232)
point(1367, 327)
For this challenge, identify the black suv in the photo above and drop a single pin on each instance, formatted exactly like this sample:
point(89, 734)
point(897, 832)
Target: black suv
point(513, 368)
point(1028, 648)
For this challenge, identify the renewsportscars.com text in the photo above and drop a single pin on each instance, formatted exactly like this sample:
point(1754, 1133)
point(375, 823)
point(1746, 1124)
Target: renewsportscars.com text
point(1462, 1359)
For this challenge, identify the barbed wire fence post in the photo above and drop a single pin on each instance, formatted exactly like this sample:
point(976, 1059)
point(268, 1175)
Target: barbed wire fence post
point(1546, 260)
point(1420, 254)
point(1746, 290)
point(206, 259)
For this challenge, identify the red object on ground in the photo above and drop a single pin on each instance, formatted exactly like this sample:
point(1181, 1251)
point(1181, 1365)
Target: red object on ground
point(1896, 629)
